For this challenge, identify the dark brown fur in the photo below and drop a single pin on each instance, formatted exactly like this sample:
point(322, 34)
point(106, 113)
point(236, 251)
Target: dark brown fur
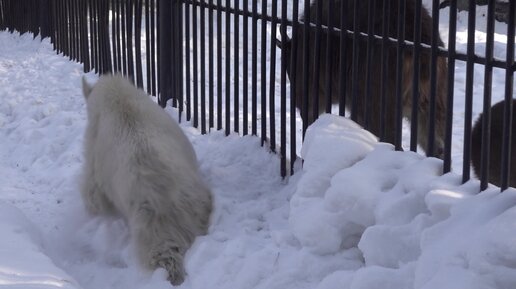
point(376, 66)
point(495, 151)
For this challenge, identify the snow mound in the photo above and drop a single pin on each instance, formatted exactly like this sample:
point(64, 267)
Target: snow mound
point(413, 227)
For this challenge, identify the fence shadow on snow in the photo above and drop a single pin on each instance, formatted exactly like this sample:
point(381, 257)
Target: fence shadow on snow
point(269, 68)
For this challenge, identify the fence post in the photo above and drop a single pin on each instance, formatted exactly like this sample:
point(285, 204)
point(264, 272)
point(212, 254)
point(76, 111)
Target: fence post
point(165, 52)
point(44, 18)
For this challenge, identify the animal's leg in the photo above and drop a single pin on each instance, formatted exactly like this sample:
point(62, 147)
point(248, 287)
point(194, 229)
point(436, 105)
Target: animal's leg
point(94, 197)
point(161, 241)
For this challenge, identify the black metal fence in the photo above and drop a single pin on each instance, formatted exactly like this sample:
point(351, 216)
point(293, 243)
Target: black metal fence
point(270, 67)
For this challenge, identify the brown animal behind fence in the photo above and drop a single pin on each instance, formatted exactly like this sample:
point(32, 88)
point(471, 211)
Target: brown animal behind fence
point(496, 142)
point(317, 82)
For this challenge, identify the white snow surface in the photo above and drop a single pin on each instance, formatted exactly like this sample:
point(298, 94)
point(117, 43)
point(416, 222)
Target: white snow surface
point(358, 215)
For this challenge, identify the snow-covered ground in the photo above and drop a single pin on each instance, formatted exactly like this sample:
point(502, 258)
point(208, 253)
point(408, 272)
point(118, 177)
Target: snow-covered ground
point(358, 215)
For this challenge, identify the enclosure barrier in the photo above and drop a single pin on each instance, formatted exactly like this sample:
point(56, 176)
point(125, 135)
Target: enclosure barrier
point(217, 61)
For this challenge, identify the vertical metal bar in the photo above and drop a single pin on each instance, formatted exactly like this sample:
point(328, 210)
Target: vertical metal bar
point(158, 47)
point(124, 35)
point(508, 108)
point(228, 70)
point(254, 69)
point(7, 19)
point(67, 29)
point(130, 53)
point(14, 15)
point(210, 66)
point(399, 73)
point(73, 36)
point(34, 17)
point(105, 49)
point(164, 53)
point(451, 80)
point(306, 66)
point(316, 61)
point(100, 27)
point(35, 20)
point(245, 68)
point(114, 36)
point(264, 74)
point(385, 55)
point(293, 81)
point(93, 35)
point(21, 19)
point(272, 78)
point(153, 50)
point(53, 20)
point(195, 68)
point(79, 29)
point(219, 65)
point(138, 42)
point(44, 19)
point(187, 64)
point(469, 92)
point(430, 151)
point(107, 36)
point(343, 47)
point(76, 30)
point(57, 25)
point(174, 34)
point(77, 40)
point(173, 31)
point(236, 59)
point(28, 15)
point(100, 36)
point(118, 35)
point(2, 19)
point(84, 37)
point(356, 56)
point(369, 58)
point(283, 85)
point(10, 15)
point(203, 69)
point(329, 56)
point(416, 57)
point(180, 62)
point(148, 82)
point(177, 63)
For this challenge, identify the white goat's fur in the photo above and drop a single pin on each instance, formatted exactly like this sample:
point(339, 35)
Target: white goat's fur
point(139, 163)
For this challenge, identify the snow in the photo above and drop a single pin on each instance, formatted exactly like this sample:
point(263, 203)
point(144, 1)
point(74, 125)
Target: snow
point(357, 215)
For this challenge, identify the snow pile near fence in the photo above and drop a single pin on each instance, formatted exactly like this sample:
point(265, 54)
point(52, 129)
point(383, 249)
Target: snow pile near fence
point(413, 227)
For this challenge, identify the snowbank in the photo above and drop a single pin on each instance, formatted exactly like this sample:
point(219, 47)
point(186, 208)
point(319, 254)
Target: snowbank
point(413, 227)
point(23, 262)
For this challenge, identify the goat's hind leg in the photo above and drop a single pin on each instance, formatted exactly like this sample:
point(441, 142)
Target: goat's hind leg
point(94, 196)
point(160, 243)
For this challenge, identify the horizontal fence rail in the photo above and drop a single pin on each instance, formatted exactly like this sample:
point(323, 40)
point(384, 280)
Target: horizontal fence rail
point(269, 68)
